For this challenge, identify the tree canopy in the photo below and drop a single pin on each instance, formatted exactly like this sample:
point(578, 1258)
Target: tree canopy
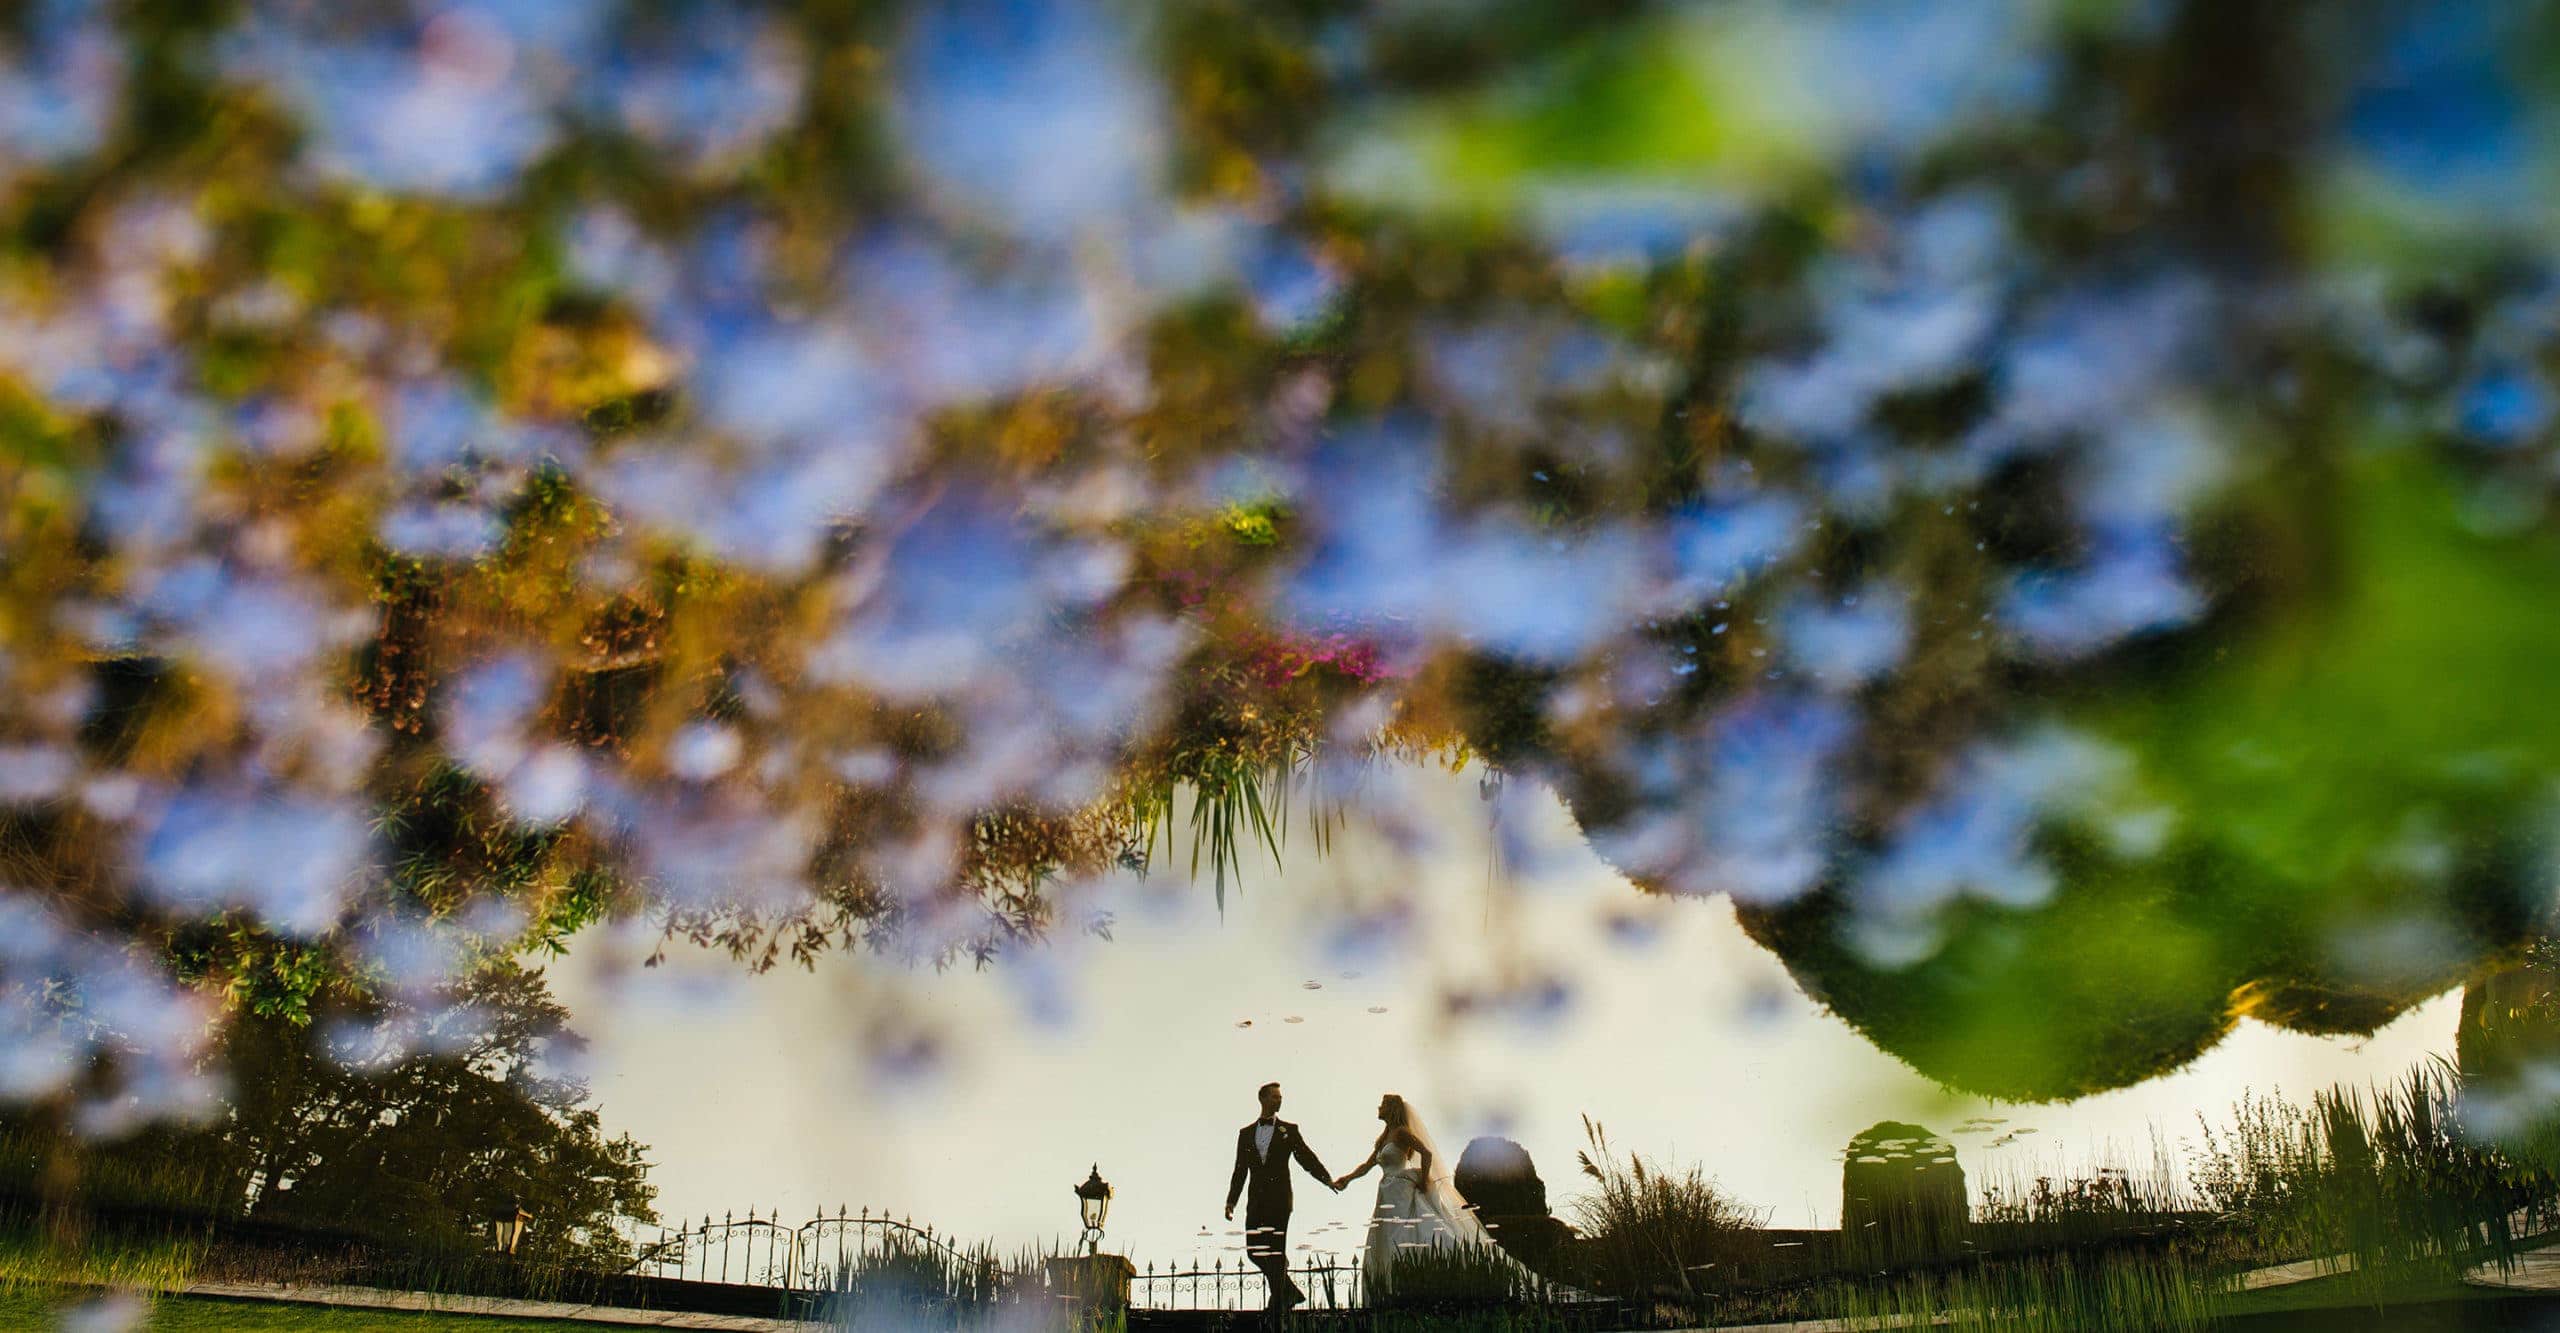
point(2033, 497)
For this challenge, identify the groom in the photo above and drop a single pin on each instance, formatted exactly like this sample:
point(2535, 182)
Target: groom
point(1263, 1152)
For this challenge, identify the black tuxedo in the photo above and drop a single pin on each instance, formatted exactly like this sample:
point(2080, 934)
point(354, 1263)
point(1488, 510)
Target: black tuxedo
point(1262, 1179)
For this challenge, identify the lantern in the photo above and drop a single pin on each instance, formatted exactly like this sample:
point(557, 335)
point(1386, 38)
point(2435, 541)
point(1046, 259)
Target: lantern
point(1093, 1202)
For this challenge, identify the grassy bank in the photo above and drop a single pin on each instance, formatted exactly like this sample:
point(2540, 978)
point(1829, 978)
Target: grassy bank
point(27, 1263)
point(34, 1307)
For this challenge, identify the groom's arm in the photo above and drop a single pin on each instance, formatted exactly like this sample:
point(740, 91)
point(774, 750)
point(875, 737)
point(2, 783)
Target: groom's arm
point(1307, 1158)
point(1235, 1184)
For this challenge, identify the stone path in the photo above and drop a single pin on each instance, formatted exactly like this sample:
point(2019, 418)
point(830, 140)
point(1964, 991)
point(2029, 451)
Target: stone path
point(2535, 1270)
point(2300, 1270)
point(368, 1298)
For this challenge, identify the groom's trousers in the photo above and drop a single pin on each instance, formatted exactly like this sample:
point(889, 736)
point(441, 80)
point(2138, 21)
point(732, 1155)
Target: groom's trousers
point(1266, 1244)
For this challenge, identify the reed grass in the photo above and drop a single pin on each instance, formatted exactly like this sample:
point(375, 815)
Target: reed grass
point(37, 1159)
point(1453, 1278)
point(2053, 1293)
point(907, 1281)
point(2384, 1177)
point(2383, 1182)
point(1658, 1235)
point(28, 1261)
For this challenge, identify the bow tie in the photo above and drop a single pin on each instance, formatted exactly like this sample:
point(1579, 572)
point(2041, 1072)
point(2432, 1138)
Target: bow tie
point(1265, 1121)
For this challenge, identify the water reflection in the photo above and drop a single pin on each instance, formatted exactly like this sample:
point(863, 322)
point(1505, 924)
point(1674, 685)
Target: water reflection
point(2299, 826)
point(2023, 525)
point(1697, 1047)
point(2509, 1053)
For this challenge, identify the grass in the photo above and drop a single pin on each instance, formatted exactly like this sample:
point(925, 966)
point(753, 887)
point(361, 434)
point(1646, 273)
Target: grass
point(2054, 1293)
point(2342, 1291)
point(914, 1284)
point(158, 1262)
point(122, 1264)
point(911, 1280)
point(909, 1284)
point(1445, 1280)
point(34, 1307)
point(35, 1156)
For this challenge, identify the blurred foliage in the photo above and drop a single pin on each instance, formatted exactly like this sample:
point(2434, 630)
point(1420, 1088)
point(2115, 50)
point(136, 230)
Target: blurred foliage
point(2508, 1053)
point(2044, 501)
point(2306, 775)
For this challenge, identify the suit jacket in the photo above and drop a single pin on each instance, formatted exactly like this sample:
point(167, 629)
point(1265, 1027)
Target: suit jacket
point(1269, 1199)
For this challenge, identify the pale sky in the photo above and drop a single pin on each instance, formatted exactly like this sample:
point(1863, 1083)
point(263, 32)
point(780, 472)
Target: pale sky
point(1689, 1044)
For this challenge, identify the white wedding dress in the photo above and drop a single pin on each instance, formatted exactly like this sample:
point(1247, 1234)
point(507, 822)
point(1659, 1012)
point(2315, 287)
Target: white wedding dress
point(1414, 1214)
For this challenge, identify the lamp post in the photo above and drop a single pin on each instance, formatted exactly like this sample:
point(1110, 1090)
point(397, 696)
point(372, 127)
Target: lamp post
point(1093, 1202)
point(1094, 1282)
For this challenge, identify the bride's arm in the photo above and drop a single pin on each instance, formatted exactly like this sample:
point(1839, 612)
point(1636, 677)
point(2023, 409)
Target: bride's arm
point(1421, 1151)
point(1364, 1170)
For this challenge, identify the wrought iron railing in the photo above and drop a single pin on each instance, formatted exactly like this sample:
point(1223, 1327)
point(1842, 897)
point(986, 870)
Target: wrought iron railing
point(1233, 1284)
point(829, 1251)
point(820, 1254)
point(841, 1252)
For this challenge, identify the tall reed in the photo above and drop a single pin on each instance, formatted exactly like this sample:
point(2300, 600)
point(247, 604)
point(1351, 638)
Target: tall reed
point(1452, 1278)
point(125, 1265)
point(2384, 1178)
point(1656, 1234)
point(2052, 1293)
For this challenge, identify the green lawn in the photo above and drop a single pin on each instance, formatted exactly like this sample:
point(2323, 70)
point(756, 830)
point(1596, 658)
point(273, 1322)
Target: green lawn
point(29, 1308)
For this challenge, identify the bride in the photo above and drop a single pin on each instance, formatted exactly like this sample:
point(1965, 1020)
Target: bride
point(1418, 1202)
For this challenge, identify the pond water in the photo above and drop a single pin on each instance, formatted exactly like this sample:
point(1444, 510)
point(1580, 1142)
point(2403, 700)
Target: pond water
point(1658, 1018)
point(1983, 567)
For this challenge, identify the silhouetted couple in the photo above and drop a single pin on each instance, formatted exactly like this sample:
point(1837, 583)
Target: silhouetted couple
point(1418, 1204)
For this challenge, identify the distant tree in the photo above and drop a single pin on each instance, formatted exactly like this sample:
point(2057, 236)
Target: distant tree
point(412, 1124)
point(428, 1145)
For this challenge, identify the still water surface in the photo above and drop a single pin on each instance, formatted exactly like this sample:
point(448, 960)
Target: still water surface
point(1141, 1054)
